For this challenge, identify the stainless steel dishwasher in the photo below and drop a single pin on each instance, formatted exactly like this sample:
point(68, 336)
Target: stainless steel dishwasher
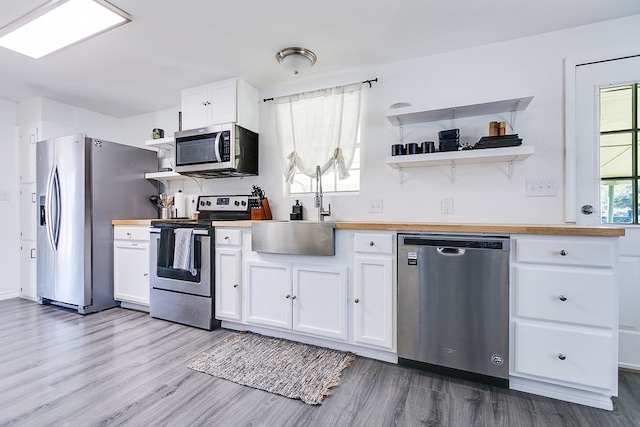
point(453, 305)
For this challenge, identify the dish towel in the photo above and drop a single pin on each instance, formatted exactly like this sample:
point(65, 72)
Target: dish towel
point(183, 250)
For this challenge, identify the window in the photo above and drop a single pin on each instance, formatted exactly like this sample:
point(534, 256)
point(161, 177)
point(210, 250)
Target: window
point(330, 183)
point(619, 154)
point(320, 129)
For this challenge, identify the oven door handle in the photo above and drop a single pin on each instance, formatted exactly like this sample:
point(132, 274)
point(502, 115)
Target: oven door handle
point(195, 232)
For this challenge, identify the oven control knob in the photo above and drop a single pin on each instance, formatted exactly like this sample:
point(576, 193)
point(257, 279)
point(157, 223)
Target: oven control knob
point(201, 202)
point(237, 203)
point(208, 203)
point(244, 203)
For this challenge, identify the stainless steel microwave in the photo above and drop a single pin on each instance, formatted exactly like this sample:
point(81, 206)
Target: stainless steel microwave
point(219, 151)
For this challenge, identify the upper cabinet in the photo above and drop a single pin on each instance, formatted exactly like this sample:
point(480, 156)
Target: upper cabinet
point(228, 101)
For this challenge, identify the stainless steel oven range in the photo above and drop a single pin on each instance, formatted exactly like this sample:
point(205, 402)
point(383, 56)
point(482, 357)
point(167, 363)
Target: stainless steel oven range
point(182, 262)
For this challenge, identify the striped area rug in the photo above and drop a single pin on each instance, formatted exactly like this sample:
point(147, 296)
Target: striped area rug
point(287, 368)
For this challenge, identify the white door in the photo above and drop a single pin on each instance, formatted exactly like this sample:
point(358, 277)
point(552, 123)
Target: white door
point(227, 283)
point(320, 300)
point(131, 272)
point(268, 294)
point(373, 301)
point(589, 79)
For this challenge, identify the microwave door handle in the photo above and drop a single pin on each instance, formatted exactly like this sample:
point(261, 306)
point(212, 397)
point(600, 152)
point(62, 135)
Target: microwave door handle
point(216, 147)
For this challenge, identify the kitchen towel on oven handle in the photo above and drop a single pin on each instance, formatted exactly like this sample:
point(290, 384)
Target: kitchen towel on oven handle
point(183, 250)
point(165, 248)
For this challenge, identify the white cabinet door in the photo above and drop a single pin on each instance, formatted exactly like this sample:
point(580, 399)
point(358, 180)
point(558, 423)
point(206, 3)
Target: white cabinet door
point(131, 271)
point(29, 135)
point(319, 300)
point(209, 105)
point(582, 356)
point(268, 294)
point(195, 111)
point(28, 270)
point(222, 97)
point(28, 212)
point(227, 283)
point(373, 301)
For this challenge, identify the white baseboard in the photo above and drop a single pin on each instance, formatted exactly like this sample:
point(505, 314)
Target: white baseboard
point(567, 394)
point(9, 295)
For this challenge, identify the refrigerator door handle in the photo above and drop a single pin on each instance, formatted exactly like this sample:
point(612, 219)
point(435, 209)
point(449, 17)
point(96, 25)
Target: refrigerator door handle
point(50, 220)
point(56, 225)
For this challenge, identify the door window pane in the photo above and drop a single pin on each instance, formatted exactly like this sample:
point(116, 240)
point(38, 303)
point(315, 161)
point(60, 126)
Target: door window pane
point(615, 155)
point(617, 201)
point(616, 108)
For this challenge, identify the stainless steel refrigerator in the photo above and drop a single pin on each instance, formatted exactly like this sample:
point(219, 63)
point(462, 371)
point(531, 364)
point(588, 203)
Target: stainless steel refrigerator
point(82, 184)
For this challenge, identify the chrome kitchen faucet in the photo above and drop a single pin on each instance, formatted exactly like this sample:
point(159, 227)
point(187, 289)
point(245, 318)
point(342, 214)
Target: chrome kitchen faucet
point(321, 212)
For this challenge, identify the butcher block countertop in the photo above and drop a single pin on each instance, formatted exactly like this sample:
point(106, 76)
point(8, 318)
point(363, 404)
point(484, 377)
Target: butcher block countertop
point(560, 229)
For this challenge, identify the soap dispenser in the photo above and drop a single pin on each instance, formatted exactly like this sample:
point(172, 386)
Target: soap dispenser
point(296, 211)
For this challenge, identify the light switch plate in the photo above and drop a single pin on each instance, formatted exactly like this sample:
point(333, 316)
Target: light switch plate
point(375, 206)
point(542, 188)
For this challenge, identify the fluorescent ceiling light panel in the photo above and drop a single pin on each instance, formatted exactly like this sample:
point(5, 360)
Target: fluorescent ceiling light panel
point(60, 23)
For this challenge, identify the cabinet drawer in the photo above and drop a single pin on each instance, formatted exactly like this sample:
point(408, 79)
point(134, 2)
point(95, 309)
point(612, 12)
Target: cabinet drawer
point(577, 251)
point(131, 233)
point(228, 237)
point(374, 243)
point(578, 356)
point(574, 295)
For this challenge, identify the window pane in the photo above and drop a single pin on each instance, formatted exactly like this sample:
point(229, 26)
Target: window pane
point(350, 184)
point(617, 202)
point(615, 108)
point(301, 184)
point(615, 155)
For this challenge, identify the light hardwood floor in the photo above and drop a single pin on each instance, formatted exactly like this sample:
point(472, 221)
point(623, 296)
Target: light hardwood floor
point(121, 367)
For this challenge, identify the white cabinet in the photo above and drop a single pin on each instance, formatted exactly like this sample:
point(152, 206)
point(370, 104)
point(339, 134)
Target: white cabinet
point(28, 136)
point(228, 101)
point(28, 270)
point(372, 299)
point(306, 298)
point(564, 317)
point(228, 274)
point(131, 264)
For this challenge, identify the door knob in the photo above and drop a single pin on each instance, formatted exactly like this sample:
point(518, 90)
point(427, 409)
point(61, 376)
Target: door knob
point(586, 209)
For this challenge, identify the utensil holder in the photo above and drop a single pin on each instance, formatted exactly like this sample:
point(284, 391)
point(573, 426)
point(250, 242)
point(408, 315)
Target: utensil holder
point(166, 213)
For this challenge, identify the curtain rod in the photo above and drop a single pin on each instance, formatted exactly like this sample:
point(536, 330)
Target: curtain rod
point(364, 82)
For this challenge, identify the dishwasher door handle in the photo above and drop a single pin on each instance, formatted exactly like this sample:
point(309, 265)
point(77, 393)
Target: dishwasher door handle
point(448, 251)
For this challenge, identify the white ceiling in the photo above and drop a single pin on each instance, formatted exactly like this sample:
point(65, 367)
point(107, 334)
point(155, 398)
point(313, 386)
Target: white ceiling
point(170, 45)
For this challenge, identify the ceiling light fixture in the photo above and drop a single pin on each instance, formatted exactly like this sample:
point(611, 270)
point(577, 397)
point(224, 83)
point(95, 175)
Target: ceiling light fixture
point(58, 24)
point(296, 59)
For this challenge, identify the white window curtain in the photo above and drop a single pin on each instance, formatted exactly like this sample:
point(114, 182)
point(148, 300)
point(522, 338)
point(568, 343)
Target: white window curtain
point(318, 128)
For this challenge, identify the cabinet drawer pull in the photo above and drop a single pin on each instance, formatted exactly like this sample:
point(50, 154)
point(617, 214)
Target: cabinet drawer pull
point(562, 298)
point(288, 296)
point(235, 286)
point(293, 297)
point(33, 253)
point(357, 300)
point(145, 274)
point(561, 356)
point(563, 252)
point(371, 243)
point(226, 237)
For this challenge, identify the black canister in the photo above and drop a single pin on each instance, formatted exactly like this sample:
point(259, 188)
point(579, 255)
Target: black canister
point(398, 150)
point(414, 148)
point(429, 147)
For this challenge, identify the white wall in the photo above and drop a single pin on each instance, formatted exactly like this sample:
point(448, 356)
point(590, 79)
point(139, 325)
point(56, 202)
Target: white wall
point(9, 230)
point(531, 66)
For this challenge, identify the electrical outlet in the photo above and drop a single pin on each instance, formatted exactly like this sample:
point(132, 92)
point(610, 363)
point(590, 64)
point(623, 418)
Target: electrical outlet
point(446, 205)
point(542, 188)
point(375, 206)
